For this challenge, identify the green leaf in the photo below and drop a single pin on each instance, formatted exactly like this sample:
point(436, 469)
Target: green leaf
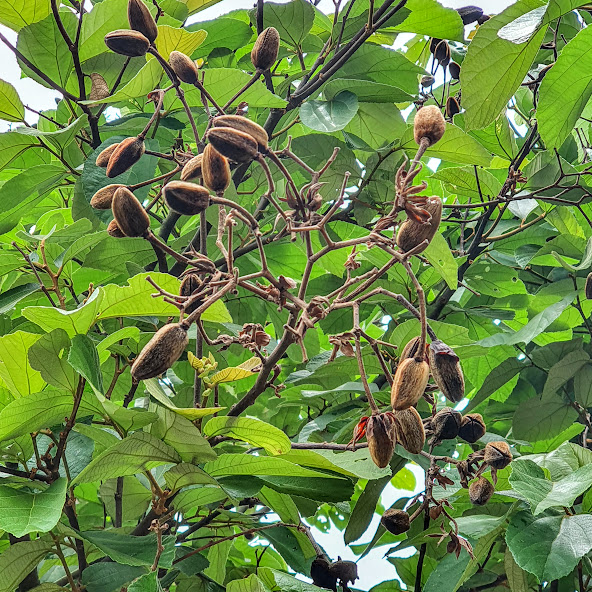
point(16, 15)
point(542, 418)
point(253, 431)
point(15, 369)
point(365, 91)
point(109, 576)
point(83, 357)
point(429, 17)
point(135, 498)
point(440, 257)
point(490, 279)
point(10, 298)
point(283, 505)
point(45, 356)
point(146, 583)
point(132, 333)
point(106, 16)
point(250, 584)
point(235, 373)
point(185, 474)
point(11, 106)
point(292, 20)
point(517, 577)
point(499, 376)
point(19, 560)
point(198, 497)
point(583, 386)
point(565, 370)
point(12, 144)
point(463, 181)
point(329, 116)
point(174, 39)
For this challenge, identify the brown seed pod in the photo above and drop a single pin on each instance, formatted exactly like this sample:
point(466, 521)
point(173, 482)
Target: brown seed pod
point(141, 20)
point(446, 370)
point(410, 349)
point(233, 144)
point(187, 199)
point(127, 42)
point(192, 168)
point(429, 123)
point(265, 51)
point(410, 431)
point(345, 571)
point(125, 156)
point(435, 512)
point(114, 230)
point(129, 214)
point(161, 352)
point(409, 383)
point(452, 107)
point(104, 156)
point(184, 67)
point(588, 289)
point(483, 19)
point(434, 41)
point(396, 521)
point(243, 124)
point(427, 81)
point(321, 574)
point(442, 53)
point(446, 424)
point(215, 170)
point(102, 199)
point(380, 434)
point(480, 491)
point(497, 455)
point(413, 233)
point(469, 14)
point(454, 70)
point(191, 282)
point(98, 87)
point(472, 427)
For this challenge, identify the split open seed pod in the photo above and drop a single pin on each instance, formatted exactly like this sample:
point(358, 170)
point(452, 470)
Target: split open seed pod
point(192, 168)
point(412, 233)
point(446, 370)
point(472, 427)
point(480, 491)
point(127, 153)
point(445, 425)
point(245, 125)
point(380, 434)
point(103, 157)
point(103, 198)
point(129, 214)
point(497, 455)
point(233, 144)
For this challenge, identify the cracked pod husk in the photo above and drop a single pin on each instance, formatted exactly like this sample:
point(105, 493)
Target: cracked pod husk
point(103, 157)
point(445, 425)
point(344, 571)
point(187, 199)
point(127, 153)
point(127, 42)
point(215, 170)
point(114, 230)
point(192, 168)
point(452, 107)
point(161, 352)
point(380, 434)
point(184, 67)
point(446, 370)
point(233, 144)
point(497, 455)
point(410, 431)
point(103, 198)
point(409, 383)
point(98, 87)
point(321, 575)
point(480, 491)
point(141, 20)
point(413, 233)
point(191, 282)
point(469, 14)
point(429, 123)
point(266, 48)
point(472, 427)
point(396, 521)
point(589, 286)
point(129, 214)
point(245, 125)
point(410, 349)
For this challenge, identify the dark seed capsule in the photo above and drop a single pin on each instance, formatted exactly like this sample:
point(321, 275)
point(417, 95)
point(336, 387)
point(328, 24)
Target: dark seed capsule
point(452, 107)
point(483, 19)
point(454, 70)
point(114, 230)
point(215, 170)
point(245, 125)
point(344, 571)
point(190, 284)
point(141, 20)
point(187, 199)
point(380, 434)
point(127, 42)
point(233, 144)
point(265, 50)
point(480, 491)
point(469, 14)
point(442, 53)
point(497, 455)
point(472, 427)
point(446, 424)
point(427, 81)
point(434, 42)
point(102, 199)
point(184, 67)
point(409, 429)
point(192, 168)
point(321, 574)
point(446, 370)
point(127, 153)
point(396, 521)
point(129, 214)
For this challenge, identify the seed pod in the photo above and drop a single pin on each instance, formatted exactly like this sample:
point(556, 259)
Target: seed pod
point(104, 156)
point(589, 286)
point(469, 14)
point(454, 70)
point(114, 230)
point(413, 233)
point(187, 199)
point(191, 282)
point(192, 168)
point(233, 144)
point(98, 87)
point(125, 156)
point(446, 424)
point(102, 199)
point(483, 19)
point(409, 383)
point(345, 571)
point(429, 123)
point(396, 521)
point(472, 427)
point(129, 214)
point(435, 512)
point(128, 43)
point(497, 455)
point(480, 491)
point(265, 51)
point(141, 20)
point(434, 42)
point(161, 352)
point(215, 170)
point(184, 67)
point(410, 350)
point(442, 53)
point(452, 107)
point(427, 81)
point(321, 574)
point(243, 124)
point(446, 370)
point(410, 431)
point(380, 433)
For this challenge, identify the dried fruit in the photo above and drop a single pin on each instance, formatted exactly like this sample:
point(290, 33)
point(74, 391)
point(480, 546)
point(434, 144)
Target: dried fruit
point(480, 491)
point(233, 144)
point(472, 427)
point(184, 67)
point(410, 431)
point(442, 53)
point(243, 124)
point(344, 571)
point(215, 170)
point(413, 233)
point(446, 370)
point(186, 198)
point(410, 350)
point(141, 20)
point(190, 284)
point(434, 42)
point(380, 433)
point(192, 168)
point(161, 352)
point(396, 521)
point(483, 19)
point(104, 156)
point(265, 51)
point(452, 107)
point(114, 230)
point(469, 14)
point(98, 87)
point(427, 81)
point(497, 455)
point(454, 70)
point(589, 286)
point(321, 574)
point(129, 214)
point(429, 123)
point(409, 383)
point(128, 43)
point(446, 424)
point(102, 199)
point(127, 153)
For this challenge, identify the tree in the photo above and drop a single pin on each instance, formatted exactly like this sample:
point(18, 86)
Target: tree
point(242, 307)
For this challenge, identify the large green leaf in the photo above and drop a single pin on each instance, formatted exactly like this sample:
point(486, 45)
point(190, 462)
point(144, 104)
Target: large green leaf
point(18, 560)
point(15, 368)
point(20, 13)
point(109, 576)
point(83, 357)
point(174, 39)
point(439, 255)
point(292, 20)
point(11, 106)
point(105, 17)
point(329, 116)
point(429, 17)
point(46, 356)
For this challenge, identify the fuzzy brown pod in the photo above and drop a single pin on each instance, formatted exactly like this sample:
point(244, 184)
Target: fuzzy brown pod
point(141, 20)
point(321, 575)
point(410, 431)
point(480, 491)
point(395, 521)
point(380, 434)
point(588, 289)
point(103, 198)
point(233, 144)
point(446, 370)
point(344, 571)
point(127, 42)
point(215, 170)
point(98, 87)
point(161, 352)
point(469, 14)
point(114, 230)
point(410, 349)
point(184, 67)
point(190, 284)
point(266, 48)
point(446, 424)
point(409, 383)
point(127, 153)
point(412, 233)
point(103, 157)
point(245, 125)
point(497, 455)
point(452, 107)
point(442, 53)
point(187, 199)
point(192, 168)
point(429, 123)
point(129, 214)
point(454, 70)
point(472, 427)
